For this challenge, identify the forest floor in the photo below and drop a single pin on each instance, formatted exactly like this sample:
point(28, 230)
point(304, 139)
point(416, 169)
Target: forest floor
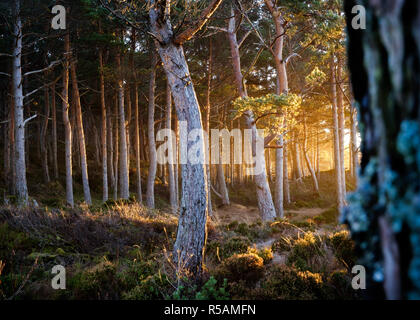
point(122, 250)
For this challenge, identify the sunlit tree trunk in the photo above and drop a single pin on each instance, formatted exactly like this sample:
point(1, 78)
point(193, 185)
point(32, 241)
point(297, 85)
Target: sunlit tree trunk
point(264, 198)
point(336, 136)
point(136, 118)
point(150, 196)
point(171, 178)
point(81, 135)
point(123, 162)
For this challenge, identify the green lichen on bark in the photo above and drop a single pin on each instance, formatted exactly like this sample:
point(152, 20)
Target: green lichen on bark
point(384, 61)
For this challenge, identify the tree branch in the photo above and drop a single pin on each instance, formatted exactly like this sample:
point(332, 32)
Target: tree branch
point(29, 119)
point(201, 21)
point(52, 64)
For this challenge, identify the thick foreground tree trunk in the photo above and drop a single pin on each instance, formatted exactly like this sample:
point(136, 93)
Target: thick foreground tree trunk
point(192, 226)
point(384, 214)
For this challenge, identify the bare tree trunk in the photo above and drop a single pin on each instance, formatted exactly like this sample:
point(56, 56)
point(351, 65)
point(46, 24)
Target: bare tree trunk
point(307, 159)
point(20, 184)
point(192, 231)
point(116, 148)
point(341, 121)
point(150, 195)
point(172, 192)
point(207, 123)
point(337, 158)
point(265, 201)
point(286, 185)
point(104, 130)
point(279, 196)
point(67, 125)
point(136, 118)
point(353, 142)
point(44, 129)
point(81, 135)
point(54, 131)
point(123, 174)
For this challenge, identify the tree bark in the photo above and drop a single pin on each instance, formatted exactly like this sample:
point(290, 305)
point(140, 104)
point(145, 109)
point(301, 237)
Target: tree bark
point(265, 201)
point(150, 195)
point(336, 136)
point(20, 184)
point(136, 119)
point(104, 129)
point(171, 178)
point(123, 163)
point(81, 135)
point(67, 124)
point(192, 226)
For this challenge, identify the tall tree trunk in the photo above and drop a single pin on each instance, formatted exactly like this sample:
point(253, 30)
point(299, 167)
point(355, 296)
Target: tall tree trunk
point(192, 230)
point(20, 184)
point(353, 142)
point(341, 122)
point(336, 135)
point(66, 122)
point(279, 195)
point(123, 173)
point(286, 185)
point(207, 123)
point(81, 135)
point(136, 118)
point(44, 130)
point(307, 159)
point(150, 195)
point(265, 201)
point(171, 178)
point(54, 131)
point(104, 129)
point(116, 147)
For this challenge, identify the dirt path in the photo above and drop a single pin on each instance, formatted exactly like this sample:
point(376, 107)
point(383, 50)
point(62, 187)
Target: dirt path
point(249, 215)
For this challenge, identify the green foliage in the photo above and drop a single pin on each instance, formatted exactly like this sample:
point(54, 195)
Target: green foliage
point(343, 247)
point(329, 216)
point(287, 283)
point(248, 267)
point(209, 291)
point(225, 249)
point(307, 253)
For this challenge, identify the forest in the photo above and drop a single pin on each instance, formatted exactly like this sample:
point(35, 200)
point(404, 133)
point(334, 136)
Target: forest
point(209, 150)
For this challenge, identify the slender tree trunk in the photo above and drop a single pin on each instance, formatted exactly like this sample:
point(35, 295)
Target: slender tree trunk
point(265, 201)
point(341, 122)
point(172, 192)
point(136, 118)
point(150, 196)
point(104, 129)
point(54, 131)
point(81, 135)
point(67, 124)
point(207, 123)
point(44, 130)
point(279, 196)
point(353, 142)
point(123, 173)
point(307, 159)
point(20, 184)
point(337, 158)
point(116, 147)
point(286, 185)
